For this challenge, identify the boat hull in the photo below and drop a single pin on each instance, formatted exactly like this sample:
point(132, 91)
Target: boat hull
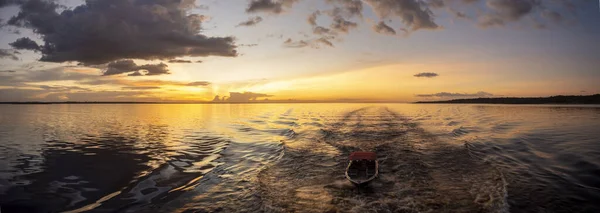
point(362, 172)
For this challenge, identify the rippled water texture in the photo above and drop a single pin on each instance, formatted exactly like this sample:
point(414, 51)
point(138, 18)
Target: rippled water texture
point(291, 158)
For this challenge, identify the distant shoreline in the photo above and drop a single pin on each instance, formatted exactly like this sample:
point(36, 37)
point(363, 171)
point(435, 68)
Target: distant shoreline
point(567, 100)
point(560, 99)
point(250, 102)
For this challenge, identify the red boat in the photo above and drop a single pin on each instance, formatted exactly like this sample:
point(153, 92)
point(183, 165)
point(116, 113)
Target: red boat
point(362, 168)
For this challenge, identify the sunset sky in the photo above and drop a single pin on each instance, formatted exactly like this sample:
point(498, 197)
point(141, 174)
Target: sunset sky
point(369, 50)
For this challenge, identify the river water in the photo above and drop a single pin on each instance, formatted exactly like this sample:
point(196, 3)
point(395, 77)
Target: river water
point(291, 158)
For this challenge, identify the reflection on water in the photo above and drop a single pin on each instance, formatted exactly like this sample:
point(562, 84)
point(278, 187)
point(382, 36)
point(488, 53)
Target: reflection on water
point(291, 158)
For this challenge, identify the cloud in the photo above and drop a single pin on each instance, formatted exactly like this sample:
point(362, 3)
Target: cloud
point(8, 54)
point(324, 41)
point(53, 74)
point(318, 30)
point(455, 95)
point(314, 43)
point(139, 88)
point(128, 66)
point(134, 29)
point(383, 28)
point(269, 6)
point(436, 3)
point(241, 97)
point(25, 43)
point(426, 75)
point(503, 11)
point(350, 7)
point(552, 16)
point(342, 25)
point(136, 73)
point(251, 21)
point(179, 61)
point(248, 45)
point(4, 3)
point(63, 88)
point(413, 13)
point(295, 44)
point(198, 83)
point(312, 18)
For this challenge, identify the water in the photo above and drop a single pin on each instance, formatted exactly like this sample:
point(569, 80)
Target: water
point(291, 158)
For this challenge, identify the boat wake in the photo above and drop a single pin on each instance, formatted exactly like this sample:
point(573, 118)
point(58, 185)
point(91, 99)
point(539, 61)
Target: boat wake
point(418, 172)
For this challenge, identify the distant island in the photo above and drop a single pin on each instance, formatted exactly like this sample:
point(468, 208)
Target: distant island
point(560, 99)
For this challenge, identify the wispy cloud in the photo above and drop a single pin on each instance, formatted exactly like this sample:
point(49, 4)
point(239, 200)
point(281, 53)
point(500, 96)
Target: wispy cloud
point(426, 75)
point(383, 28)
point(179, 61)
point(140, 88)
point(251, 21)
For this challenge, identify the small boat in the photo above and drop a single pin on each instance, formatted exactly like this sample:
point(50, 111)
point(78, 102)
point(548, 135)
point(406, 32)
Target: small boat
point(362, 168)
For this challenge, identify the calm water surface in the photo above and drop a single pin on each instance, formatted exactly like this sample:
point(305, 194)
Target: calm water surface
point(291, 158)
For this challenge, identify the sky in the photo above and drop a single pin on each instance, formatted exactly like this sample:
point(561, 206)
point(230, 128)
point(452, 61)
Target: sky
point(301, 50)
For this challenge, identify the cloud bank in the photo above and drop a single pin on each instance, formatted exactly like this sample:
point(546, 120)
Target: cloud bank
point(134, 29)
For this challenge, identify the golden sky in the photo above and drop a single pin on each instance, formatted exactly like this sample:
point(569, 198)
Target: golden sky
point(370, 50)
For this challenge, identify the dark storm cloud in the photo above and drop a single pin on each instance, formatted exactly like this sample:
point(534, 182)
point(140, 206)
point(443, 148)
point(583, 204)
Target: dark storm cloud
point(134, 29)
point(245, 96)
point(269, 6)
point(128, 66)
point(179, 61)
point(4, 3)
point(413, 13)
point(455, 95)
point(251, 21)
point(8, 54)
point(155, 69)
point(383, 28)
point(25, 43)
point(426, 75)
